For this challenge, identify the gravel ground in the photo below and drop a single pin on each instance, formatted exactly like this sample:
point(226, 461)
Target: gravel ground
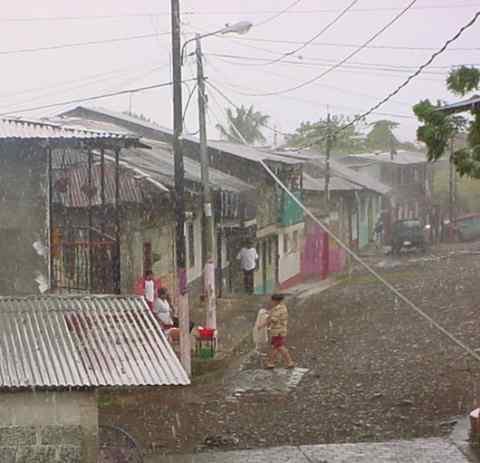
point(377, 371)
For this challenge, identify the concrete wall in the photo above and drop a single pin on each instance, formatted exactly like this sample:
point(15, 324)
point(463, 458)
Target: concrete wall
point(23, 217)
point(48, 427)
point(290, 261)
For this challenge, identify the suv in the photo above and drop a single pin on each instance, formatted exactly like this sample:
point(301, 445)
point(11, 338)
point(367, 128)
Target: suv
point(407, 234)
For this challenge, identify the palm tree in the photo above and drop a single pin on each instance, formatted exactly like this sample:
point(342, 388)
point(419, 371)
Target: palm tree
point(246, 121)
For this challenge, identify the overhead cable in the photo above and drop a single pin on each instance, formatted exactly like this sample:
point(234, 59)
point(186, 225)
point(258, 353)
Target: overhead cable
point(91, 98)
point(150, 14)
point(341, 62)
point(317, 35)
point(278, 14)
point(81, 44)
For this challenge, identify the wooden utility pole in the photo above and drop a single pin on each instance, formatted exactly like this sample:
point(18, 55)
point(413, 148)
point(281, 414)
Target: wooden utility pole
point(180, 248)
point(208, 258)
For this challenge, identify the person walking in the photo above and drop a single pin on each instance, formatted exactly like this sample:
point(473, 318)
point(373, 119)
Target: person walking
point(277, 321)
point(260, 331)
point(248, 258)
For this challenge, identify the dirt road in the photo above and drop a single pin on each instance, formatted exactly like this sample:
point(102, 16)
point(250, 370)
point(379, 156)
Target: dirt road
point(376, 370)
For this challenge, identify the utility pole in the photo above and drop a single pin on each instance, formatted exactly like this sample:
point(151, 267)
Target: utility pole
point(208, 257)
point(180, 248)
point(327, 166)
point(328, 149)
point(451, 179)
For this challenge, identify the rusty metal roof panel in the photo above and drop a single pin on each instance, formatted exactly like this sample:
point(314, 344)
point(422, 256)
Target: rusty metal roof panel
point(78, 194)
point(16, 129)
point(83, 341)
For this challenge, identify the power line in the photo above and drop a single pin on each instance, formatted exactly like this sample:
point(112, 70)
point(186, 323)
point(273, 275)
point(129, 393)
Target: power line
point(88, 82)
point(468, 25)
point(357, 258)
point(224, 12)
point(352, 65)
point(349, 45)
point(91, 98)
point(337, 89)
point(316, 36)
point(344, 60)
point(280, 13)
point(81, 44)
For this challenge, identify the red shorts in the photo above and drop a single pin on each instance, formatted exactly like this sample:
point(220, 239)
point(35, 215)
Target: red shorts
point(278, 341)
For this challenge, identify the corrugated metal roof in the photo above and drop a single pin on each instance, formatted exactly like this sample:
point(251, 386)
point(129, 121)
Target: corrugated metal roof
point(158, 162)
point(87, 341)
point(335, 184)
point(464, 105)
point(402, 157)
point(339, 170)
point(77, 192)
point(237, 149)
point(250, 153)
point(13, 129)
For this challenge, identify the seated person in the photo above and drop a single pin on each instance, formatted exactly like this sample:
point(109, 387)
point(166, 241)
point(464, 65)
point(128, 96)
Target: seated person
point(163, 309)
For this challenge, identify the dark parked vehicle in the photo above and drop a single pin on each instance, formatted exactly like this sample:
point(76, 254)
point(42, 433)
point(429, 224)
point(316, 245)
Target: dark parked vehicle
point(408, 234)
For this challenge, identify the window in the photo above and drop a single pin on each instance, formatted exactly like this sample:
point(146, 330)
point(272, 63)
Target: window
point(286, 243)
point(191, 244)
point(295, 241)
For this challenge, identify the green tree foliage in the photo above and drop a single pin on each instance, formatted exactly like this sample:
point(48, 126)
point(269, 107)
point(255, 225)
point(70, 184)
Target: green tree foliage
point(463, 80)
point(248, 122)
point(438, 127)
point(314, 134)
point(381, 136)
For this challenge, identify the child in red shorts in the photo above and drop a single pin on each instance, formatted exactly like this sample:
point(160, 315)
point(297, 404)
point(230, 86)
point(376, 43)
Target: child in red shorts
point(277, 321)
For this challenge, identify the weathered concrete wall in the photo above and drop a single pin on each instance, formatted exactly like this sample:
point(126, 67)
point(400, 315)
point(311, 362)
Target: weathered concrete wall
point(48, 427)
point(23, 217)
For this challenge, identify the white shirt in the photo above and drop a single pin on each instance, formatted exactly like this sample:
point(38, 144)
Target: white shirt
point(163, 310)
point(248, 258)
point(149, 290)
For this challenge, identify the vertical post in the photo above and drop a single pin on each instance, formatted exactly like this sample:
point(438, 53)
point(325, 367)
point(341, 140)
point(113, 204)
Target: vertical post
point(183, 307)
point(208, 259)
point(450, 182)
point(116, 260)
point(327, 193)
point(51, 274)
point(90, 223)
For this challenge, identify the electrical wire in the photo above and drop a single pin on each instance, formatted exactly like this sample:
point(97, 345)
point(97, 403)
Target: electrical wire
point(277, 15)
point(348, 45)
point(54, 90)
point(365, 66)
point(397, 90)
point(90, 98)
point(235, 88)
point(223, 13)
point(344, 60)
point(352, 254)
point(317, 35)
point(81, 44)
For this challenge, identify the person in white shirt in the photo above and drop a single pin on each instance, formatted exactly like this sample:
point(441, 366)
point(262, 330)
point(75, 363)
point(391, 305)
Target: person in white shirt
point(149, 289)
point(163, 309)
point(248, 258)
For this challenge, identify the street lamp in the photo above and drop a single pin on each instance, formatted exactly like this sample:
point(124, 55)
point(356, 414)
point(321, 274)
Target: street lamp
point(208, 226)
point(240, 28)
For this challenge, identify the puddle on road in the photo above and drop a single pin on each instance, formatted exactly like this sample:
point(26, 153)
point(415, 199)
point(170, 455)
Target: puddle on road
point(278, 381)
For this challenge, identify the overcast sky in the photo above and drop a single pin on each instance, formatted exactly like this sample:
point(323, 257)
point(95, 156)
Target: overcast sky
point(235, 65)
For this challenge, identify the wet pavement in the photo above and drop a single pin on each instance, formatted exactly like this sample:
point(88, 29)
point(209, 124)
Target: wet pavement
point(279, 380)
point(419, 450)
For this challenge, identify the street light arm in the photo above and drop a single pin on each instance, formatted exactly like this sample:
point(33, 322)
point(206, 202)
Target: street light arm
point(241, 28)
point(198, 37)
